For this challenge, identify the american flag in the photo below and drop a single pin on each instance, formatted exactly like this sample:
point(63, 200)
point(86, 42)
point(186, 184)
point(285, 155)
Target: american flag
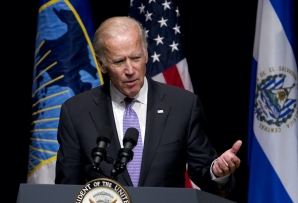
point(166, 62)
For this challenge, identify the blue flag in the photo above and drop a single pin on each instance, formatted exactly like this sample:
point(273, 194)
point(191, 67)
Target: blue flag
point(273, 127)
point(65, 65)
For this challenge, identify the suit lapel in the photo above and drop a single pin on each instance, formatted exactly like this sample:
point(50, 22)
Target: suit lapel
point(157, 114)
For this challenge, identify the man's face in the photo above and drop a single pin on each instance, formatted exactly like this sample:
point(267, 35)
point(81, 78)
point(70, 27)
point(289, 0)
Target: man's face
point(126, 62)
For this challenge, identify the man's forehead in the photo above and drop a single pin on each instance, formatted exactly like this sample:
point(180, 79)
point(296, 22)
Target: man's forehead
point(120, 52)
point(114, 57)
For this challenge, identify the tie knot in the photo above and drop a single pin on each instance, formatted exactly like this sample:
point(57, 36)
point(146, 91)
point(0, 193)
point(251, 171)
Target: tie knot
point(128, 100)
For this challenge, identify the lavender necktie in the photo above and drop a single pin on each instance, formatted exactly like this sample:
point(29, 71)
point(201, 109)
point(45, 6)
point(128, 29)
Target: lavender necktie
point(130, 119)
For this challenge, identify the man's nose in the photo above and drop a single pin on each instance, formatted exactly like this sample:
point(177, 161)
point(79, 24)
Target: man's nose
point(129, 68)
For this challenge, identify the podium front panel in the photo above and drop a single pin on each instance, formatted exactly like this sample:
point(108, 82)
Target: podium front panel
point(50, 193)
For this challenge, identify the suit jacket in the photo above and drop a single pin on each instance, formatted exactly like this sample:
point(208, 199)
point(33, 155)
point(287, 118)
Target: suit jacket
point(173, 138)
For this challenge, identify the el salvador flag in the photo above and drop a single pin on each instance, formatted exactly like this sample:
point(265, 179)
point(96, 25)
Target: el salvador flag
point(273, 127)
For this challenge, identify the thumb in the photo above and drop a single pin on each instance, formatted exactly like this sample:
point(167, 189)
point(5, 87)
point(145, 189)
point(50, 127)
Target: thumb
point(236, 146)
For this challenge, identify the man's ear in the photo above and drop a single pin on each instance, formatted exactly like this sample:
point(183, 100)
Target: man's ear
point(102, 68)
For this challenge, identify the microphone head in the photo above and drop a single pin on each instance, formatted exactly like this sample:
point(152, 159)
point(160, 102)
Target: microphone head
point(131, 135)
point(105, 134)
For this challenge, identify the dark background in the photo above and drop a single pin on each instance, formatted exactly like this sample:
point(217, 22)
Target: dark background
point(217, 41)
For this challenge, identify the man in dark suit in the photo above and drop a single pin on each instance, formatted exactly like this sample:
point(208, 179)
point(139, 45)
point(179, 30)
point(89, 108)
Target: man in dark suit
point(172, 125)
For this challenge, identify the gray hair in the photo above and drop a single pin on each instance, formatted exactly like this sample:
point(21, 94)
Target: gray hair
point(112, 27)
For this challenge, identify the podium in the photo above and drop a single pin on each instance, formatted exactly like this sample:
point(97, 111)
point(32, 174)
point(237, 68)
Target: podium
point(51, 193)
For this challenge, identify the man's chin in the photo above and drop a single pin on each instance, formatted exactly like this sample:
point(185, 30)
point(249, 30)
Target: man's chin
point(132, 92)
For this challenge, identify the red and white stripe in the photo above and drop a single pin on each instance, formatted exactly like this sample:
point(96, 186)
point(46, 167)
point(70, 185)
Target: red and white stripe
point(177, 75)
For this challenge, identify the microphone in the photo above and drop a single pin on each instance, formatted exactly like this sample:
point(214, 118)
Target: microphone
point(129, 142)
point(99, 153)
point(125, 154)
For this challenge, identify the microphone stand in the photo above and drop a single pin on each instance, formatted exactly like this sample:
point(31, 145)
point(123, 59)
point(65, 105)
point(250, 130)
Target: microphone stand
point(118, 168)
point(125, 155)
point(119, 165)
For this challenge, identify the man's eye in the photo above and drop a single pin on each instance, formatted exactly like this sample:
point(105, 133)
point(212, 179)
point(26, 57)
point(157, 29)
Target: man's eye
point(118, 62)
point(136, 58)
